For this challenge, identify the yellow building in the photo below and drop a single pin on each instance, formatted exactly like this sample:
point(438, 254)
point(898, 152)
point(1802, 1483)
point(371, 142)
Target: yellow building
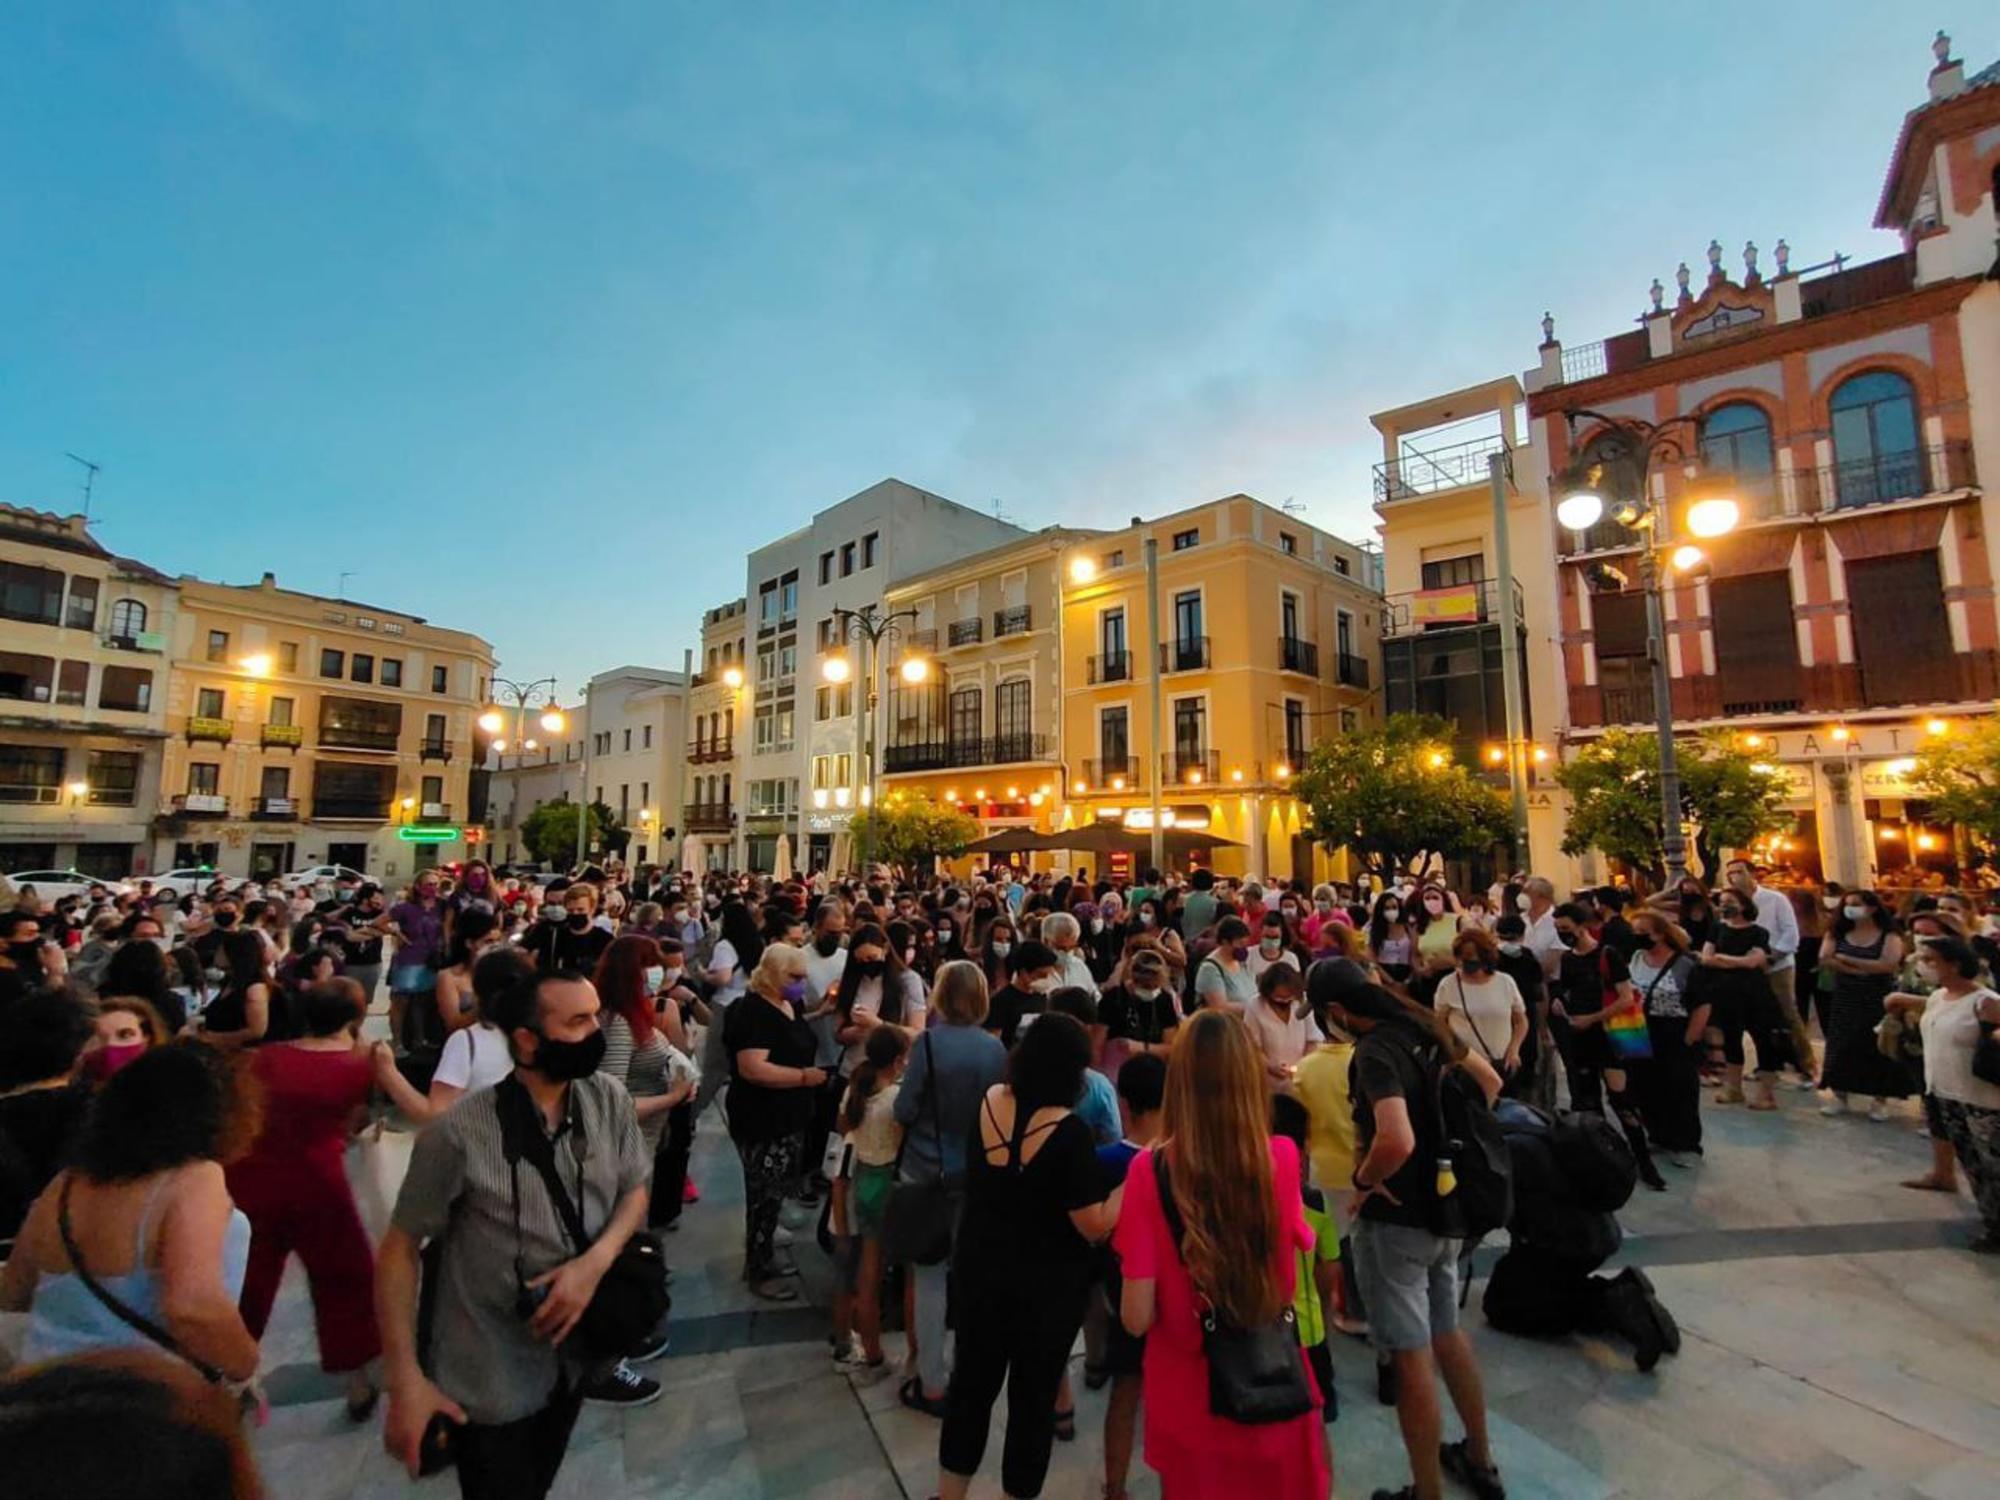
point(983, 729)
point(304, 730)
point(715, 695)
point(1445, 603)
point(1268, 633)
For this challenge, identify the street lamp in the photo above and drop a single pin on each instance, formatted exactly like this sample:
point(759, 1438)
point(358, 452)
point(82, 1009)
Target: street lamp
point(526, 695)
point(868, 627)
point(1620, 473)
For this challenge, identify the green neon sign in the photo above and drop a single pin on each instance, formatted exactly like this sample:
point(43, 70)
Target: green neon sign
point(424, 834)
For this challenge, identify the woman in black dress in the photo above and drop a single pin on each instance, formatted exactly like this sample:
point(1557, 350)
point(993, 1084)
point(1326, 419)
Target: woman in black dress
point(1863, 950)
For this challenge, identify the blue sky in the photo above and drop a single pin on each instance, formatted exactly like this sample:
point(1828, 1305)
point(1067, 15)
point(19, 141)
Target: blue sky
point(536, 318)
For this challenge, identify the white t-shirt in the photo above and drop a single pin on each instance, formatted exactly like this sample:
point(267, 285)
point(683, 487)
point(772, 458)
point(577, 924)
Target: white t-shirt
point(1073, 972)
point(1283, 1038)
point(724, 957)
point(868, 998)
point(474, 1057)
point(1951, 1030)
point(1481, 1015)
point(823, 973)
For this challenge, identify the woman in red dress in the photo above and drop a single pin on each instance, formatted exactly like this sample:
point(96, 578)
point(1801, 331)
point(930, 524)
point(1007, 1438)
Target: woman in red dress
point(1237, 1188)
point(294, 1188)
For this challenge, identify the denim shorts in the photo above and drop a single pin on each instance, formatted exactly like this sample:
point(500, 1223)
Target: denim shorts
point(1409, 1281)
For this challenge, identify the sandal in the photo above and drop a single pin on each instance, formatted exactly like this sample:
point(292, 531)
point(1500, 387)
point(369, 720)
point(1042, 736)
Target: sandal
point(1482, 1479)
point(911, 1394)
point(1066, 1425)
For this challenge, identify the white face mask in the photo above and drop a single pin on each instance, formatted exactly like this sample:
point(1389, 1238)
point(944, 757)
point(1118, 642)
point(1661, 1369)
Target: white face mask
point(1512, 950)
point(1323, 905)
point(1521, 902)
point(1272, 947)
point(1000, 950)
point(655, 977)
point(1831, 903)
point(1046, 985)
point(670, 977)
point(1096, 925)
point(1854, 913)
point(1147, 919)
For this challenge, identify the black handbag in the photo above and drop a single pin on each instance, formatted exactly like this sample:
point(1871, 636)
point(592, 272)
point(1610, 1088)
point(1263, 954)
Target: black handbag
point(1256, 1376)
point(917, 1220)
point(1986, 1054)
point(632, 1297)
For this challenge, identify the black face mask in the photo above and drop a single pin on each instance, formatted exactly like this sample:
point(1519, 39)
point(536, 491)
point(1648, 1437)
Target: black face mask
point(565, 1062)
point(578, 920)
point(225, 919)
point(26, 955)
point(827, 944)
point(873, 969)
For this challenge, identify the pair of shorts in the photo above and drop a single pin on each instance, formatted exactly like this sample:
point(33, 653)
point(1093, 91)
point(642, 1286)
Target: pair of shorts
point(1409, 1281)
point(868, 1191)
point(412, 979)
point(1124, 1353)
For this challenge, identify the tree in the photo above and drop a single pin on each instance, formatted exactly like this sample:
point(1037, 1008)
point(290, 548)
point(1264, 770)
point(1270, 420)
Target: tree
point(1395, 797)
point(611, 835)
point(1614, 798)
point(915, 831)
point(549, 832)
point(1959, 775)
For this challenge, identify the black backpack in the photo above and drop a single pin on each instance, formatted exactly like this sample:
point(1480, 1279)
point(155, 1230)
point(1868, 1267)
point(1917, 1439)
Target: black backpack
point(1467, 1133)
point(1596, 1163)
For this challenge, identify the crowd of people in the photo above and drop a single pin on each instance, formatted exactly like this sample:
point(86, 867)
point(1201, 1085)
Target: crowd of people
point(1202, 1123)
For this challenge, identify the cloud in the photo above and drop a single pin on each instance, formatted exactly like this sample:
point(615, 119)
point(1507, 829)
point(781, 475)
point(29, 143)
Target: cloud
point(229, 41)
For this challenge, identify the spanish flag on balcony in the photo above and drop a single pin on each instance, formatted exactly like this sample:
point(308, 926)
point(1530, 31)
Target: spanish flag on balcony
point(1457, 604)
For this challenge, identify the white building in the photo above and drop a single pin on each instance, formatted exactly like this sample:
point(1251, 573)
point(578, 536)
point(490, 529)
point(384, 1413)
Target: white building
point(845, 557)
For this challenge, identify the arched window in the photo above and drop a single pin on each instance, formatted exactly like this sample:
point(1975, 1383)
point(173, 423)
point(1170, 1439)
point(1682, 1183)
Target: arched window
point(1736, 441)
point(1876, 455)
point(128, 620)
point(1617, 482)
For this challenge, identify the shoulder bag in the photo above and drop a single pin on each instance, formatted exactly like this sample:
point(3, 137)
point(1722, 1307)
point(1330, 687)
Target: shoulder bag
point(917, 1221)
point(632, 1298)
point(1256, 1376)
point(1986, 1050)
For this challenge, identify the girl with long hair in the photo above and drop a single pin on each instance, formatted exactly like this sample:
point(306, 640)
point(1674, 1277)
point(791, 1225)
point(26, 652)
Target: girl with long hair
point(1236, 1188)
point(1391, 940)
point(473, 931)
point(876, 989)
point(874, 1140)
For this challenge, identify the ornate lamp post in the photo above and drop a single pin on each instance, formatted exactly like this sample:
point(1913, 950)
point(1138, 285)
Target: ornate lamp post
point(868, 627)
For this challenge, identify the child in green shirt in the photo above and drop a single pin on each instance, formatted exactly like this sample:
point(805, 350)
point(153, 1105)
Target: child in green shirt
point(1312, 1289)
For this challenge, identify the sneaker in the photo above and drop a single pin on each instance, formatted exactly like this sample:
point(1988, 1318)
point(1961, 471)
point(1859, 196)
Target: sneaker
point(1879, 1111)
point(1628, 1314)
point(689, 1192)
point(1670, 1331)
point(657, 1349)
point(1834, 1107)
point(1482, 1479)
point(621, 1385)
point(774, 1288)
point(850, 1352)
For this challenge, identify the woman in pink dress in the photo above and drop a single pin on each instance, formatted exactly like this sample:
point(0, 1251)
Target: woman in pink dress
point(1237, 1189)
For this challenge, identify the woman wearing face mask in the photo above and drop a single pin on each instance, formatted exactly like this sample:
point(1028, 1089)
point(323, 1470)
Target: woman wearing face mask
point(1148, 921)
point(1958, 1104)
point(1863, 950)
point(1435, 919)
point(1733, 961)
point(1274, 946)
point(876, 989)
point(1224, 980)
point(1000, 941)
point(1280, 1025)
point(1140, 1015)
point(1483, 1006)
point(1096, 941)
point(770, 1048)
point(1390, 940)
point(243, 1010)
point(472, 933)
point(1533, 1080)
point(1326, 909)
point(1669, 1083)
point(127, 1029)
point(360, 941)
point(948, 940)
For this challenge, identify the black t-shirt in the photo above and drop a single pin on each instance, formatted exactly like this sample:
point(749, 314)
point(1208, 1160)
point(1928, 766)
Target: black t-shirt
point(1017, 1240)
point(1008, 1006)
point(1590, 980)
point(1125, 1013)
point(1396, 1060)
point(559, 948)
point(1737, 942)
point(36, 1130)
point(758, 1113)
point(1617, 935)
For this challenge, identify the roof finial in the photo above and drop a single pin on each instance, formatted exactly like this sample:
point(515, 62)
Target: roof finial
point(1548, 328)
point(1714, 261)
point(1750, 276)
point(1681, 274)
point(1947, 78)
point(1941, 48)
point(1784, 254)
point(1659, 294)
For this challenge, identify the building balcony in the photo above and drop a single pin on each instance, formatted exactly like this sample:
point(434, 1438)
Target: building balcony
point(199, 804)
point(1190, 767)
point(1410, 474)
point(272, 809)
point(290, 736)
point(1115, 775)
point(333, 737)
point(1884, 477)
point(1350, 670)
point(1012, 621)
point(701, 752)
point(352, 809)
point(951, 755)
point(1451, 607)
point(920, 641)
point(966, 632)
point(201, 727)
point(707, 817)
point(1298, 656)
point(1111, 666)
point(435, 750)
point(433, 812)
point(1628, 705)
point(147, 641)
point(1784, 689)
point(1184, 654)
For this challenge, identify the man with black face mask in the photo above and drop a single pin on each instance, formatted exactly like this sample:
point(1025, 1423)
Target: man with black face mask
point(34, 960)
point(511, 1284)
point(568, 937)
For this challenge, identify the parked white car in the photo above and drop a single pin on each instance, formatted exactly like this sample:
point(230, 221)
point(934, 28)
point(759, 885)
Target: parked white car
point(53, 885)
point(191, 881)
point(307, 879)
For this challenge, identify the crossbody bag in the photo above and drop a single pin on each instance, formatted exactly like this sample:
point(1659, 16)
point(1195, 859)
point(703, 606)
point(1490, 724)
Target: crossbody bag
point(128, 1315)
point(917, 1221)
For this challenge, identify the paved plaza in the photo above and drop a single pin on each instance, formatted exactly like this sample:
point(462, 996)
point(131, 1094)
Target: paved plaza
point(1839, 1346)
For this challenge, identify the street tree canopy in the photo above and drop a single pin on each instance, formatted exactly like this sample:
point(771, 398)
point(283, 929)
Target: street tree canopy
point(1396, 798)
point(1729, 796)
point(1959, 774)
point(915, 831)
point(549, 832)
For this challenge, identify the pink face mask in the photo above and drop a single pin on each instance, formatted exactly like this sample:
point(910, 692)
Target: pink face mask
point(101, 1064)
